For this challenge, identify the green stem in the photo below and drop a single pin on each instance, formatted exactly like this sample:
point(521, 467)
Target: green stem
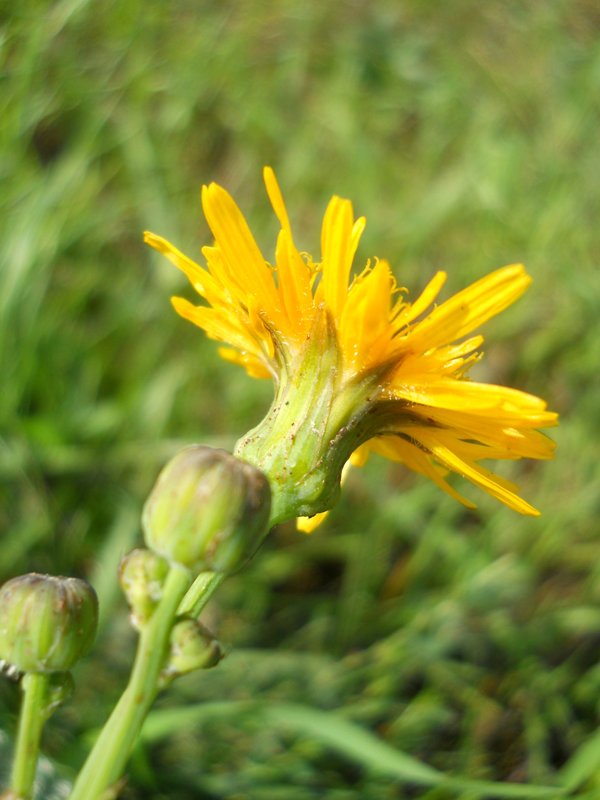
point(200, 593)
point(106, 762)
point(31, 721)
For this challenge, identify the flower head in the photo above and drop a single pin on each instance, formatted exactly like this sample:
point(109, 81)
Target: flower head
point(356, 366)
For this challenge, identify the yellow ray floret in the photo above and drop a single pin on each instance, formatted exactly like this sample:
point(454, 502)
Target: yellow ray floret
point(410, 359)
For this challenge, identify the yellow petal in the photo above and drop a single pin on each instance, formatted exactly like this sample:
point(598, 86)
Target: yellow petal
point(238, 246)
point(309, 524)
point(339, 241)
point(364, 327)
point(396, 448)
point(407, 312)
point(493, 484)
point(470, 308)
point(253, 366)
point(276, 199)
point(476, 398)
point(217, 325)
point(518, 440)
point(199, 277)
point(294, 287)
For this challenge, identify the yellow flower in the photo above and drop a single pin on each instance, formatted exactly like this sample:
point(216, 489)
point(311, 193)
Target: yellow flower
point(356, 367)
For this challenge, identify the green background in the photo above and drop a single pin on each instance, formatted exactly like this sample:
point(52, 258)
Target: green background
point(467, 134)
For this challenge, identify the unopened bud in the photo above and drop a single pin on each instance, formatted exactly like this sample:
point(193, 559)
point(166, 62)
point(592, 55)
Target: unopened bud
point(46, 623)
point(192, 647)
point(207, 510)
point(141, 575)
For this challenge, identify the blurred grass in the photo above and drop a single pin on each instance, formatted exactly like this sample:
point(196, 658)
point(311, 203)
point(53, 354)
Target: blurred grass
point(467, 134)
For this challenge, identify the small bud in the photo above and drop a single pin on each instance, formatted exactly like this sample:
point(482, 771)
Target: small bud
point(46, 623)
point(141, 575)
point(207, 510)
point(192, 647)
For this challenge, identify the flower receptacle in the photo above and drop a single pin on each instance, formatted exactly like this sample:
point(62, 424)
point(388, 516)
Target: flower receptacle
point(318, 417)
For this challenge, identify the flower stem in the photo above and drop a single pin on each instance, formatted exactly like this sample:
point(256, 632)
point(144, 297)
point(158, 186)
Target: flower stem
point(200, 593)
point(31, 721)
point(106, 762)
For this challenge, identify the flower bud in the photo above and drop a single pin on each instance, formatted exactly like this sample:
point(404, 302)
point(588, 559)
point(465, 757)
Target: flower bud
point(207, 510)
point(192, 647)
point(141, 575)
point(46, 623)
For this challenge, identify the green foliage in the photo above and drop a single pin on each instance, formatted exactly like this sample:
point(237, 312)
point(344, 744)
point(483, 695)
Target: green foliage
point(467, 134)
